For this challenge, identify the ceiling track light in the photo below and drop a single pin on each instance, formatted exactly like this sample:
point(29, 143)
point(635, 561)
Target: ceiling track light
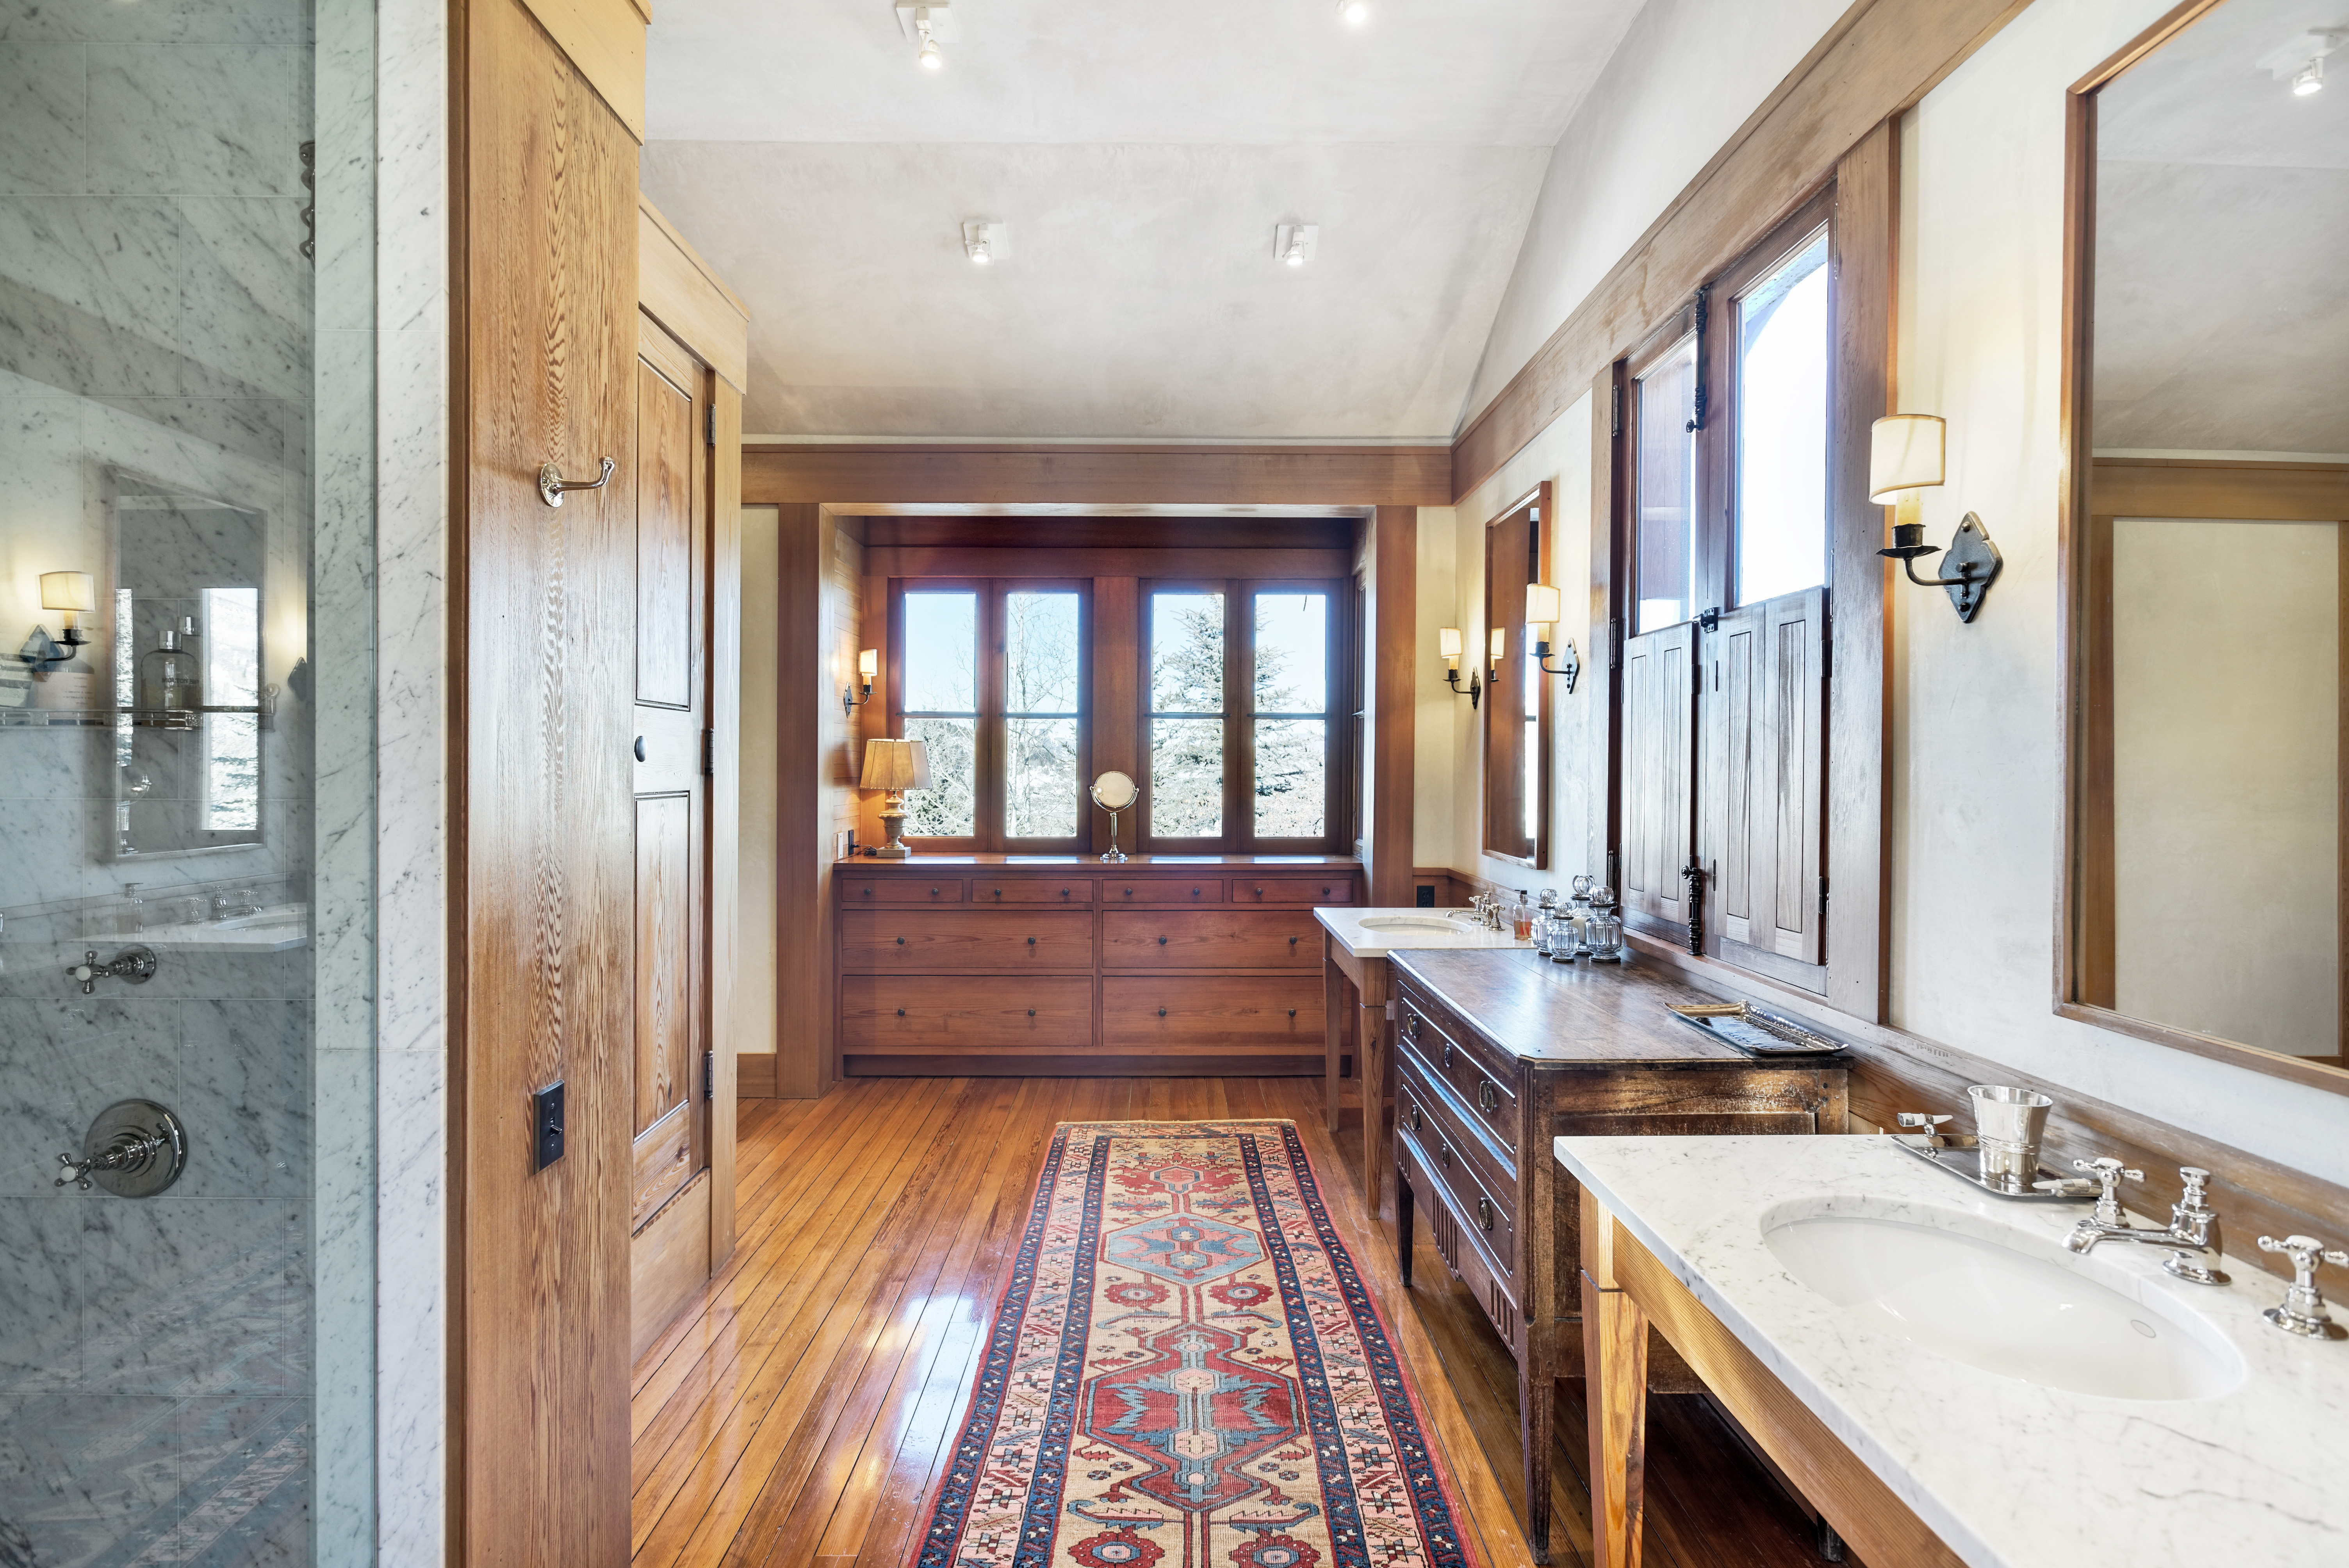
point(2310, 79)
point(926, 26)
point(1354, 13)
point(985, 240)
point(2301, 60)
point(1294, 244)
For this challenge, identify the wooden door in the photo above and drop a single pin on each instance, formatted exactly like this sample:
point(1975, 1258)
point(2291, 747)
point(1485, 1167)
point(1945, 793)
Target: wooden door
point(675, 1081)
point(543, 610)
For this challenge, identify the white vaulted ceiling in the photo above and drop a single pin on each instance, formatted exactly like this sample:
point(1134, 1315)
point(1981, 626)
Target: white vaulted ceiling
point(1141, 155)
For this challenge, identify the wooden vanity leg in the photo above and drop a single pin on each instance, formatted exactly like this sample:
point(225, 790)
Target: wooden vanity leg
point(1615, 1358)
point(1337, 1001)
point(1538, 1423)
point(1403, 1228)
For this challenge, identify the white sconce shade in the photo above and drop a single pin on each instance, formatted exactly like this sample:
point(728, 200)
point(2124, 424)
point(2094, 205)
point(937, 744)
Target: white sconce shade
point(1500, 642)
point(1905, 452)
point(868, 664)
point(1447, 643)
point(1542, 603)
point(69, 591)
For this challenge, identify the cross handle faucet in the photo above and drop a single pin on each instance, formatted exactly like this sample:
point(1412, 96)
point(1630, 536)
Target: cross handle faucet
point(2191, 1236)
point(2110, 1174)
point(2303, 1311)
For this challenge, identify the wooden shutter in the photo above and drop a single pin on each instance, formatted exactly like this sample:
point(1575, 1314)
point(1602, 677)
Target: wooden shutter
point(1659, 736)
point(1763, 716)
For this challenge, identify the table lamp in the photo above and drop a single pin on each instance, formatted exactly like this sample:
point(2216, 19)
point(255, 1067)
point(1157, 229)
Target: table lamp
point(896, 765)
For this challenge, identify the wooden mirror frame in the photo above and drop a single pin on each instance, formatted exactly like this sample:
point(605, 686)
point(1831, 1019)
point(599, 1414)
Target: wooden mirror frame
point(2134, 487)
point(1506, 577)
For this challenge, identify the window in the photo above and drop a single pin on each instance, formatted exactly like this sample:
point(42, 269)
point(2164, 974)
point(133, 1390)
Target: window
point(1727, 436)
point(1239, 764)
point(992, 678)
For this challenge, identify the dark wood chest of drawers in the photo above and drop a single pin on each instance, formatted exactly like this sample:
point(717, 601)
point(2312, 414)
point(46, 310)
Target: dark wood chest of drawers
point(990, 966)
point(1498, 1052)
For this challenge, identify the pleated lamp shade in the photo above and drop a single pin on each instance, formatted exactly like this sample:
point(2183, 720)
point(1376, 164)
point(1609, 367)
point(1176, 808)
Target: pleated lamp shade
point(895, 764)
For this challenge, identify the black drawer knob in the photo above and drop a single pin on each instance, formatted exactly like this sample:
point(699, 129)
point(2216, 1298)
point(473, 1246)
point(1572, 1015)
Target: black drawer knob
point(1162, 1012)
point(1195, 892)
point(1292, 1012)
point(901, 1012)
point(999, 892)
point(1065, 892)
point(1032, 1012)
point(1032, 942)
point(901, 941)
point(868, 893)
point(1325, 893)
point(1485, 1215)
point(1292, 942)
point(1260, 892)
point(1162, 942)
point(1488, 1098)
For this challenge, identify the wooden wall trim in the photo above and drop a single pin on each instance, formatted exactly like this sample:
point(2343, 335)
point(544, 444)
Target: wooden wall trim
point(605, 40)
point(677, 288)
point(725, 879)
point(1881, 57)
point(1393, 664)
point(1138, 475)
point(2173, 487)
point(1053, 561)
point(807, 705)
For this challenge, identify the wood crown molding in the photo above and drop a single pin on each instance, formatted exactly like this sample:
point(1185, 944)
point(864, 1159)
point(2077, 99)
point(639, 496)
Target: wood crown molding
point(1879, 58)
point(605, 40)
point(677, 288)
point(926, 474)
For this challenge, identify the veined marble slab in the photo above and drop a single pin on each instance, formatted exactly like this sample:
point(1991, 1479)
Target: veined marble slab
point(1364, 942)
point(2009, 1474)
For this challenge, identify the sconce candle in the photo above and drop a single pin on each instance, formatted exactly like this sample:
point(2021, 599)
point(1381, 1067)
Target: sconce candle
point(1907, 453)
point(868, 664)
point(1447, 643)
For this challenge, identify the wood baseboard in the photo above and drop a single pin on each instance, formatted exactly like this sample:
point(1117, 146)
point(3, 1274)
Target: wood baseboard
point(754, 1075)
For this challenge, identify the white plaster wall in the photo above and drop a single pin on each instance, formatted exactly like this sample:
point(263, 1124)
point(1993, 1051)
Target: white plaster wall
point(1449, 737)
point(1686, 76)
point(2226, 794)
point(754, 974)
point(1976, 748)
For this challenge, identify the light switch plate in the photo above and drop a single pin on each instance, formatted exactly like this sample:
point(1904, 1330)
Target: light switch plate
point(546, 1125)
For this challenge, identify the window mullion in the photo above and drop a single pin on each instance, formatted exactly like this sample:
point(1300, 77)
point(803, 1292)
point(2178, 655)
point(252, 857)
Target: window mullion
point(1239, 726)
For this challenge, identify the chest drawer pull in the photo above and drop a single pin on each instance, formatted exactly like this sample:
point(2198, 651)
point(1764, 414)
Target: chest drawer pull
point(1162, 1012)
point(1065, 892)
point(901, 941)
point(1417, 1123)
point(1292, 942)
point(1292, 1012)
point(1032, 1012)
point(1447, 1055)
point(1162, 942)
point(901, 1012)
point(999, 892)
point(868, 893)
point(1443, 1155)
point(1032, 942)
point(1485, 1215)
point(933, 892)
point(1488, 1098)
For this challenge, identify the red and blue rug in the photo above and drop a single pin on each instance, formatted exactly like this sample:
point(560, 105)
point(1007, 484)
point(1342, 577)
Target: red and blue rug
point(1187, 1372)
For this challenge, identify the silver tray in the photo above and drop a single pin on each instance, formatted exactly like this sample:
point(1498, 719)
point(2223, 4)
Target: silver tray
point(1955, 1153)
point(1742, 1027)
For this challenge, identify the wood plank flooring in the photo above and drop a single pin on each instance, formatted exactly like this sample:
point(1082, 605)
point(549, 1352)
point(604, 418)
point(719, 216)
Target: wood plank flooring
point(795, 1413)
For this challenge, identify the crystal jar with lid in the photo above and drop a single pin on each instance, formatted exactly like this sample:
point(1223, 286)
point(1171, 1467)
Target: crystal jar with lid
point(1606, 929)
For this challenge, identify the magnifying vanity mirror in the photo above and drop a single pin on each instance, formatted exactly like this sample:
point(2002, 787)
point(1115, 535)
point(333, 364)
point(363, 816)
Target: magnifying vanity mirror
point(2207, 400)
point(1114, 792)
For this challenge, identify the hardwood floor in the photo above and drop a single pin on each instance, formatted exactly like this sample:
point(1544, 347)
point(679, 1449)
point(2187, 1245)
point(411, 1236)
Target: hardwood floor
point(794, 1414)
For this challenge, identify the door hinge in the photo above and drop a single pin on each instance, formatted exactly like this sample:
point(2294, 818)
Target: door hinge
point(1615, 420)
point(1615, 643)
point(708, 753)
point(1822, 895)
point(710, 422)
point(710, 1075)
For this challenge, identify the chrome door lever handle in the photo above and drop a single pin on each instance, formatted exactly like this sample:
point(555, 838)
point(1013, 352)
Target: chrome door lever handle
point(551, 484)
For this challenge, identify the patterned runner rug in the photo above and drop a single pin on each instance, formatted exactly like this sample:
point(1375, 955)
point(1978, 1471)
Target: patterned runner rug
point(1187, 1372)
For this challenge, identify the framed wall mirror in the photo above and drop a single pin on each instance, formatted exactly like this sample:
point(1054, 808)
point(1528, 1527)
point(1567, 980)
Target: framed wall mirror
point(2208, 406)
point(1517, 700)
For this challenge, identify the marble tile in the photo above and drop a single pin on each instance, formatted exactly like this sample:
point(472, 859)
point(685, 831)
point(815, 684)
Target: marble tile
point(40, 1292)
point(153, 21)
point(193, 119)
point(88, 288)
point(43, 90)
point(188, 1295)
point(412, 162)
point(411, 1271)
point(245, 1469)
point(62, 1061)
point(83, 1474)
point(244, 299)
point(342, 1304)
point(244, 1080)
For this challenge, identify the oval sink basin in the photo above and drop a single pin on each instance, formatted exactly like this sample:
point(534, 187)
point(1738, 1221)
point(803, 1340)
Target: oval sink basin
point(1410, 922)
point(2012, 1305)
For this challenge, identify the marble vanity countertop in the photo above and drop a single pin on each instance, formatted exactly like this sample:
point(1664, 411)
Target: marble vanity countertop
point(1370, 942)
point(2008, 1473)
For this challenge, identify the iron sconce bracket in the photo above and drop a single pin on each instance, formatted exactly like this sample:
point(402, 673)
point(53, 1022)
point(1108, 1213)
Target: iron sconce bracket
point(1972, 555)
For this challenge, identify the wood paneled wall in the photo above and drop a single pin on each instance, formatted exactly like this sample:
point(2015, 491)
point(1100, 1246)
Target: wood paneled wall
point(810, 613)
point(1393, 701)
point(546, 331)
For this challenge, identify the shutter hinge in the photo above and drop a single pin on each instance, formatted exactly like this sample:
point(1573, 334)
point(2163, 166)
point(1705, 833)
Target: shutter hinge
point(1616, 419)
point(1615, 643)
point(1822, 895)
point(710, 1075)
point(710, 422)
point(1826, 647)
point(708, 753)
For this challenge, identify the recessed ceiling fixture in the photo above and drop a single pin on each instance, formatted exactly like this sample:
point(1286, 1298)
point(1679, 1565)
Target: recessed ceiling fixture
point(1294, 244)
point(2300, 61)
point(985, 240)
point(1355, 12)
point(927, 25)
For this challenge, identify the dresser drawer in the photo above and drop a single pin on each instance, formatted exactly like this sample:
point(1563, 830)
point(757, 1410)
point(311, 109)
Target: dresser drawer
point(1431, 1112)
point(1307, 891)
point(964, 1012)
point(1462, 1242)
point(974, 941)
point(1161, 892)
point(1211, 939)
point(1275, 1013)
point(864, 892)
point(1453, 1163)
point(1463, 1065)
point(1051, 892)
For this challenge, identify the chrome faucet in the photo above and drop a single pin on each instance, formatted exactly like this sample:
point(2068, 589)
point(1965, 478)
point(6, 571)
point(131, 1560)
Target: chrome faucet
point(1486, 910)
point(2303, 1311)
point(227, 908)
point(2193, 1224)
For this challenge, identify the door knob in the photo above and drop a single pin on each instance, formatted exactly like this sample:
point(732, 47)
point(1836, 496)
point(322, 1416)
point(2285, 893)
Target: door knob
point(640, 749)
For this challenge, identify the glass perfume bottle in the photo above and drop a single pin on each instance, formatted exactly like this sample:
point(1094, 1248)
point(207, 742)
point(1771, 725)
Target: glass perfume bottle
point(1606, 929)
point(168, 677)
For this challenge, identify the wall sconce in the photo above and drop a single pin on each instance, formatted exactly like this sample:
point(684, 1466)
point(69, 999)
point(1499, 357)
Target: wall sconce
point(868, 664)
point(1906, 454)
point(1542, 607)
point(74, 593)
point(1447, 643)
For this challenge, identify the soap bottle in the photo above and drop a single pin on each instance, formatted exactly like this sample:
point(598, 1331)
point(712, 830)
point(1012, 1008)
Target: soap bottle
point(1545, 920)
point(1521, 919)
point(168, 677)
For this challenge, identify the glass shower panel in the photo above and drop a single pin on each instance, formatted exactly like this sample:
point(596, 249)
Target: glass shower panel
point(186, 523)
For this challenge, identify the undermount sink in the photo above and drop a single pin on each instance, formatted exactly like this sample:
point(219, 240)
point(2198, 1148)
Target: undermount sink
point(1410, 922)
point(1997, 1299)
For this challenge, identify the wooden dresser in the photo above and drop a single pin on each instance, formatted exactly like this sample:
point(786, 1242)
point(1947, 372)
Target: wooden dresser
point(1498, 1052)
point(1064, 965)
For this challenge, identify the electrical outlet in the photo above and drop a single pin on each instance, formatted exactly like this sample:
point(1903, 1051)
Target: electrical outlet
point(546, 1125)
